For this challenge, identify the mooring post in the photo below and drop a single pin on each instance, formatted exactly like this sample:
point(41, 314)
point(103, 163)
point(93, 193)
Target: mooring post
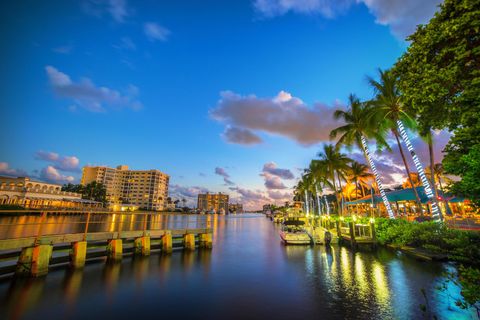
point(34, 261)
point(86, 227)
point(142, 245)
point(189, 241)
point(78, 254)
point(205, 240)
point(115, 249)
point(167, 242)
point(339, 230)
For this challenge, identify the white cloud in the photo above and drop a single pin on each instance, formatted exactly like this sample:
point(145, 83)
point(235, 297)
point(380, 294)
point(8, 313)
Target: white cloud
point(402, 16)
point(64, 163)
point(240, 136)
point(51, 174)
point(271, 167)
point(117, 9)
point(6, 170)
point(156, 32)
point(226, 177)
point(88, 96)
point(283, 115)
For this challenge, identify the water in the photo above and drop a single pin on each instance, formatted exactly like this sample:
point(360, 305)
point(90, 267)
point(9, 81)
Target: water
point(248, 274)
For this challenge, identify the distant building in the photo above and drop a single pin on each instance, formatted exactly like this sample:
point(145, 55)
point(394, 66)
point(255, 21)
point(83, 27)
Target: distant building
point(144, 189)
point(213, 202)
point(235, 207)
point(32, 194)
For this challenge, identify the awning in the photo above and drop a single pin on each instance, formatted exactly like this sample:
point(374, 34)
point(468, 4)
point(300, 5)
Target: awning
point(403, 195)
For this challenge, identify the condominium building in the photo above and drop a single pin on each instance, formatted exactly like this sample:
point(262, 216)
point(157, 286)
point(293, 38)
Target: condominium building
point(145, 189)
point(213, 202)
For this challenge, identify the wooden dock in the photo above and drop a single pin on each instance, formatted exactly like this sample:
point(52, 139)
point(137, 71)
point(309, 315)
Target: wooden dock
point(33, 255)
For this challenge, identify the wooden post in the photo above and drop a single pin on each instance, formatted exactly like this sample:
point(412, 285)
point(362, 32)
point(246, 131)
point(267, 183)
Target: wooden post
point(189, 241)
point(115, 249)
point(373, 233)
point(78, 254)
point(40, 227)
point(339, 230)
point(86, 227)
point(205, 240)
point(167, 242)
point(352, 234)
point(142, 246)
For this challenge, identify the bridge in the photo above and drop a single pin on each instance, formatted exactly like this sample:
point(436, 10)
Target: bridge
point(32, 255)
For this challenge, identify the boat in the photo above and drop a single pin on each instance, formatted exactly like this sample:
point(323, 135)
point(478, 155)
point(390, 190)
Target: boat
point(293, 232)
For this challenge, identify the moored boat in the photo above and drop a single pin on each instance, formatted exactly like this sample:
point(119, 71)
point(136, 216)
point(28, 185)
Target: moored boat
point(293, 232)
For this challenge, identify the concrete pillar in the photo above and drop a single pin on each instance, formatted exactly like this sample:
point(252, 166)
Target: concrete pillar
point(189, 241)
point(115, 249)
point(78, 254)
point(167, 243)
point(33, 261)
point(142, 246)
point(205, 241)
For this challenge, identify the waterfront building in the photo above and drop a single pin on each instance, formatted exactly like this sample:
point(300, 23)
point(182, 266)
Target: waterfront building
point(145, 189)
point(235, 207)
point(217, 202)
point(32, 194)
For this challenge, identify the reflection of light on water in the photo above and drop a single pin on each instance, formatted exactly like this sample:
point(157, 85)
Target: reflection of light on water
point(346, 270)
point(399, 283)
point(360, 275)
point(73, 281)
point(381, 283)
point(309, 261)
point(112, 223)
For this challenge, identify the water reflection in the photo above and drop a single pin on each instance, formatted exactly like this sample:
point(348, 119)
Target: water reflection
point(247, 274)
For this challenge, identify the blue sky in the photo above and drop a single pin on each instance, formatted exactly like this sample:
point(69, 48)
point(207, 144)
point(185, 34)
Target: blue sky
point(165, 85)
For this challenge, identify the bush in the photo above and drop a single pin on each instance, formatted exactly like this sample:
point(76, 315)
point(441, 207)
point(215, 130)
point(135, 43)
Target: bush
point(459, 245)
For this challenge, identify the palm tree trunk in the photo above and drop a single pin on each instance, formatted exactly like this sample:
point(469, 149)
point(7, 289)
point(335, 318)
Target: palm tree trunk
point(407, 168)
point(366, 153)
point(363, 190)
point(341, 191)
point(432, 171)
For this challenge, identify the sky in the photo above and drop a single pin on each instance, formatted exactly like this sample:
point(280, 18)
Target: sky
point(224, 96)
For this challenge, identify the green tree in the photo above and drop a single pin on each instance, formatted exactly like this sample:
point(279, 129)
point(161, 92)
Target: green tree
point(439, 77)
point(359, 126)
point(95, 191)
point(336, 165)
point(388, 108)
point(359, 172)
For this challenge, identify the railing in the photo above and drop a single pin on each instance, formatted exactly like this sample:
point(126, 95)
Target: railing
point(51, 223)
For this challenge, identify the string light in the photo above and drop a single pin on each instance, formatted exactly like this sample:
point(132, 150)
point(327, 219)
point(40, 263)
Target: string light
point(379, 184)
point(426, 184)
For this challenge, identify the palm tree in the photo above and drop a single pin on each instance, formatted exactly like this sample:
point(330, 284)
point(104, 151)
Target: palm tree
point(318, 170)
point(359, 127)
point(336, 164)
point(359, 172)
point(388, 110)
point(412, 179)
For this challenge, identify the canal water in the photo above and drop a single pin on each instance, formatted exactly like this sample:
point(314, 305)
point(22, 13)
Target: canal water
point(249, 274)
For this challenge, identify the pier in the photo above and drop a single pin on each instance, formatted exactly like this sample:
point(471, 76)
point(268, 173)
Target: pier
point(33, 255)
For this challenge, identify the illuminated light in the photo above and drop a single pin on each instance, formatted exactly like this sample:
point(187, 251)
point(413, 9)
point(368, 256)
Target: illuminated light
point(327, 205)
point(354, 218)
point(372, 220)
point(377, 179)
point(342, 218)
point(307, 209)
point(436, 215)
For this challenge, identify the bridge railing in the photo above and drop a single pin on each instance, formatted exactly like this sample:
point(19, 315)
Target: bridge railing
point(56, 223)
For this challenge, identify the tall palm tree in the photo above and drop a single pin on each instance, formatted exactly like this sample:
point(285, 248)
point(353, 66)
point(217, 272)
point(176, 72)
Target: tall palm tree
point(388, 110)
point(359, 172)
point(318, 169)
point(336, 165)
point(359, 127)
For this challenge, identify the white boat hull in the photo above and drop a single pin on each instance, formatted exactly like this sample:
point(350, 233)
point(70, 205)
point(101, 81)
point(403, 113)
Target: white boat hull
point(295, 237)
